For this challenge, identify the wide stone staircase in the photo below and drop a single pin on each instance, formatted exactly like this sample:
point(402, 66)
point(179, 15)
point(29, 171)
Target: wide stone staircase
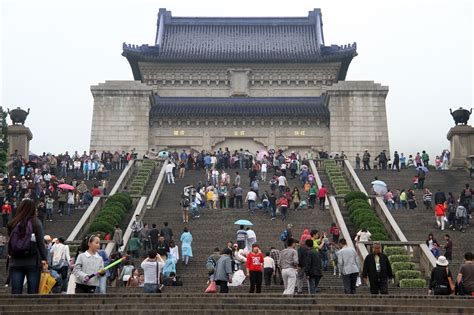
point(418, 223)
point(185, 303)
point(215, 227)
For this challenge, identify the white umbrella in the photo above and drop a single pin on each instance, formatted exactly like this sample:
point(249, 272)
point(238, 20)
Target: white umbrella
point(380, 190)
point(379, 182)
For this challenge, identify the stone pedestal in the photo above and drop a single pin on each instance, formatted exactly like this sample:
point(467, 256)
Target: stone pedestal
point(462, 145)
point(19, 138)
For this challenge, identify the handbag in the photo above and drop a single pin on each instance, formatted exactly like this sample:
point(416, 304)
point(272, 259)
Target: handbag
point(211, 288)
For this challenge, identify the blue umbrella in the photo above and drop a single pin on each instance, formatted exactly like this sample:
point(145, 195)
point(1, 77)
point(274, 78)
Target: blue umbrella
point(163, 154)
point(243, 222)
point(423, 168)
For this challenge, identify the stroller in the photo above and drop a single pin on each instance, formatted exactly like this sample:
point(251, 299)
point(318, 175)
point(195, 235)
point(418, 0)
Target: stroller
point(194, 210)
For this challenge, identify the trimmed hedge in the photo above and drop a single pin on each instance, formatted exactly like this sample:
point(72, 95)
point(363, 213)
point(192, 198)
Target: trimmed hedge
point(407, 274)
point(357, 204)
point(112, 213)
point(397, 266)
point(122, 198)
point(379, 237)
point(355, 195)
point(394, 250)
point(101, 226)
point(412, 283)
point(399, 258)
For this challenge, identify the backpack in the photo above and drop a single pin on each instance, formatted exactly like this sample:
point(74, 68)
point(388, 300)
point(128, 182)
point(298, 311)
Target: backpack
point(22, 245)
point(210, 264)
point(185, 202)
point(284, 235)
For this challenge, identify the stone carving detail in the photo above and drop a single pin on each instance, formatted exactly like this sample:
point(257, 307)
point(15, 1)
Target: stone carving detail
point(260, 75)
point(461, 115)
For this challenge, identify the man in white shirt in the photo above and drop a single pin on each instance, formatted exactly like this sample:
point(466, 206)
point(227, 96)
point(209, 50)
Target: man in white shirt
point(268, 268)
point(263, 171)
point(282, 183)
point(251, 199)
point(152, 267)
point(169, 172)
point(348, 264)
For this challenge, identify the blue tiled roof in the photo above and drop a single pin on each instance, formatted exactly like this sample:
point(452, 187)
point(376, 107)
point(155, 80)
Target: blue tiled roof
point(239, 107)
point(280, 39)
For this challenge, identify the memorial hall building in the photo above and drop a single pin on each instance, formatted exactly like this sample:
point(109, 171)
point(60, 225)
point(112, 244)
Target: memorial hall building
point(253, 83)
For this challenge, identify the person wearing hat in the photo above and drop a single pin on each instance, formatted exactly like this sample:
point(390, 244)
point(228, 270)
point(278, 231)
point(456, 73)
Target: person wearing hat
point(441, 281)
point(377, 270)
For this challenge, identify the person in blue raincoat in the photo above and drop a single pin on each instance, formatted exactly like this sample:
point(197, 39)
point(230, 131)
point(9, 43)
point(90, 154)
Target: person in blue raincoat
point(186, 247)
point(169, 267)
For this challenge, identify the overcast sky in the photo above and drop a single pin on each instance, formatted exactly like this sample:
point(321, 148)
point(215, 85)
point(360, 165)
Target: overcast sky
point(53, 51)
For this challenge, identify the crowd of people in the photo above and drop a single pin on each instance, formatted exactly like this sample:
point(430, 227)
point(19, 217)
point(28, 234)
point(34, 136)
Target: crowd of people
point(399, 161)
point(307, 257)
point(219, 189)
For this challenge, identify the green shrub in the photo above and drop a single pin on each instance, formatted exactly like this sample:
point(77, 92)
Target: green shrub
point(379, 237)
point(378, 230)
point(115, 216)
point(114, 208)
point(412, 283)
point(407, 274)
point(359, 212)
point(351, 203)
point(124, 199)
point(102, 226)
point(394, 250)
point(364, 217)
point(371, 224)
point(357, 204)
point(398, 258)
point(109, 218)
point(397, 266)
point(116, 204)
point(355, 195)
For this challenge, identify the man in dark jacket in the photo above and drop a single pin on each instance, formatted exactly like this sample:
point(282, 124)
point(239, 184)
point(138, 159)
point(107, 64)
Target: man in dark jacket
point(312, 266)
point(377, 270)
point(154, 234)
point(439, 197)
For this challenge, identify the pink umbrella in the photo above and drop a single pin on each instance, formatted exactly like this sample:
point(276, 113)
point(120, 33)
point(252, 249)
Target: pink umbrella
point(66, 187)
point(261, 155)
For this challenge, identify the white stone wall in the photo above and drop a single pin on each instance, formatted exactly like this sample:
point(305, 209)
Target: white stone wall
point(358, 118)
point(120, 118)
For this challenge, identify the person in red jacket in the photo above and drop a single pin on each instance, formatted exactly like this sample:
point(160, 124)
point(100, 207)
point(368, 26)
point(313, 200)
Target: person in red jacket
point(255, 268)
point(283, 204)
point(440, 212)
point(322, 193)
point(96, 191)
point(6, 211)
